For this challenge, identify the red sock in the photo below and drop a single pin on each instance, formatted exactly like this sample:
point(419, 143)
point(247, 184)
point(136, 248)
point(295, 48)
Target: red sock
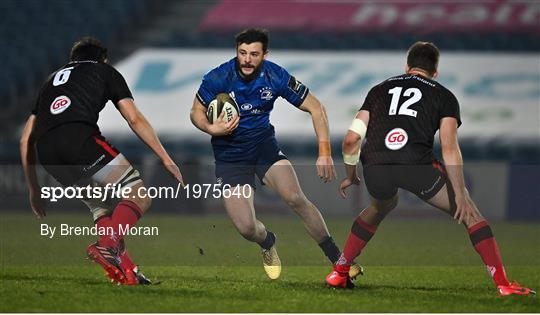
point(484, 243)
point(103, 224)
point(125, 215)
point(361, 233)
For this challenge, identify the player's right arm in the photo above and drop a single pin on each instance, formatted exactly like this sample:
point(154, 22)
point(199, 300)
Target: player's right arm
point(351, 150)
point(28, 161)
point(465, 209)
point(142, 128)
point(219, 128)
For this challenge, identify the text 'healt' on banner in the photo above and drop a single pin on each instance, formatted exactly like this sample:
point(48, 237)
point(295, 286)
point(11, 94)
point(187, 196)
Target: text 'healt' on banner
point(373, 16)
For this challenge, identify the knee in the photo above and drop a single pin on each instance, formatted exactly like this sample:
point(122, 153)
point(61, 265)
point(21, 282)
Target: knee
point(144, 203)
point(295, 199)
point(138, 192)
point(474, 219)
point(393, 202)
point(385, 206)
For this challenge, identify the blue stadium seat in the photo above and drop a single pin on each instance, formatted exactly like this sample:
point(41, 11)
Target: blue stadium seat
point(31, 55)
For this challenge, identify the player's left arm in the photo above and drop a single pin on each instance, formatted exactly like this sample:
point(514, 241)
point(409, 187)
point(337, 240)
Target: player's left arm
point(466, 211)
point(325, 164)
point(142, 128)
point(351, 150)
point(28, 161)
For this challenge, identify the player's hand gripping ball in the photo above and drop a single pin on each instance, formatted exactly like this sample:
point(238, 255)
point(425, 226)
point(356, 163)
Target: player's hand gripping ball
point(222, 102)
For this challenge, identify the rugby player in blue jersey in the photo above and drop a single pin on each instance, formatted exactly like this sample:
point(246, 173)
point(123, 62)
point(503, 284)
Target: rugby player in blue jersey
point(246, 146)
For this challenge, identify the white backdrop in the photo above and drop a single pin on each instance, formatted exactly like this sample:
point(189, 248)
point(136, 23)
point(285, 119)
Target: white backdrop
point(499, 94)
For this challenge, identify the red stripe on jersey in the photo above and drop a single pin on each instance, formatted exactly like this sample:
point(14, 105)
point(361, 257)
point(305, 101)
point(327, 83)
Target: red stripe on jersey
point(436, 164)
point(106, 146)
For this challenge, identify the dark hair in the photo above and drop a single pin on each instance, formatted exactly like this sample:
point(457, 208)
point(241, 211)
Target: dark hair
point(253, 35)
point(88, 48)
point(423, 55)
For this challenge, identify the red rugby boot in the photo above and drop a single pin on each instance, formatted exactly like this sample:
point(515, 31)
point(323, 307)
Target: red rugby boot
point(108, 259)
point(339, 280)
point(514, 288)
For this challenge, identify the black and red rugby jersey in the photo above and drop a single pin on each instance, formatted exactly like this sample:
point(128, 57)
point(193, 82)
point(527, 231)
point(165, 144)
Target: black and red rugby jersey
point(77, 92)
point(404, 115)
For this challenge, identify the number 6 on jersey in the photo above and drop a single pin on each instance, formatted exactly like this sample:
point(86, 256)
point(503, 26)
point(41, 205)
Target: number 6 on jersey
point(62, 76)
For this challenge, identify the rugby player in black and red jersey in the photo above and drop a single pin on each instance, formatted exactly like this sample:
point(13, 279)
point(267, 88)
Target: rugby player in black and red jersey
point(399, 119)
point(63, 128)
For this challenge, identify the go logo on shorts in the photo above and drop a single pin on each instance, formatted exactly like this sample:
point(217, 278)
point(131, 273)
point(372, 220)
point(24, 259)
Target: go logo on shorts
point(60, 104)
point(396, 139)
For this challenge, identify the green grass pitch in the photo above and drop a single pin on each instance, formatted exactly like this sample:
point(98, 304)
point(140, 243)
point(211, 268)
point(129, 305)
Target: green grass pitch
point(205, 266)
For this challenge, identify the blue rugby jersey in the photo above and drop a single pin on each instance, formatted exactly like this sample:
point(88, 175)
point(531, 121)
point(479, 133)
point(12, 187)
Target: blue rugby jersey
point(255, 99)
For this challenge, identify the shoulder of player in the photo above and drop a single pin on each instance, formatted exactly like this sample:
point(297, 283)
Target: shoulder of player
point(445, 91)
point(51, 75)
point(381, 85)
point(222, 71)
point(394, 78)
point(100, 67)
point(272, 68)
point(106, 66)
point(106, 71)
point(66, 65)
point(274, 72)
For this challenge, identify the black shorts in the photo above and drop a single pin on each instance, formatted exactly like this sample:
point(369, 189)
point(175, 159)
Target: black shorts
point(243, 172)
point(425, 181)
point(74, 151)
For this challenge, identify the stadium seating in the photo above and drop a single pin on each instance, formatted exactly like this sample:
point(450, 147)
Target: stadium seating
point(36, 37)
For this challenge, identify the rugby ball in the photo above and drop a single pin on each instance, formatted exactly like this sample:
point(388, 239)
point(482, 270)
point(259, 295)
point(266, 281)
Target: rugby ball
point(222, 102)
